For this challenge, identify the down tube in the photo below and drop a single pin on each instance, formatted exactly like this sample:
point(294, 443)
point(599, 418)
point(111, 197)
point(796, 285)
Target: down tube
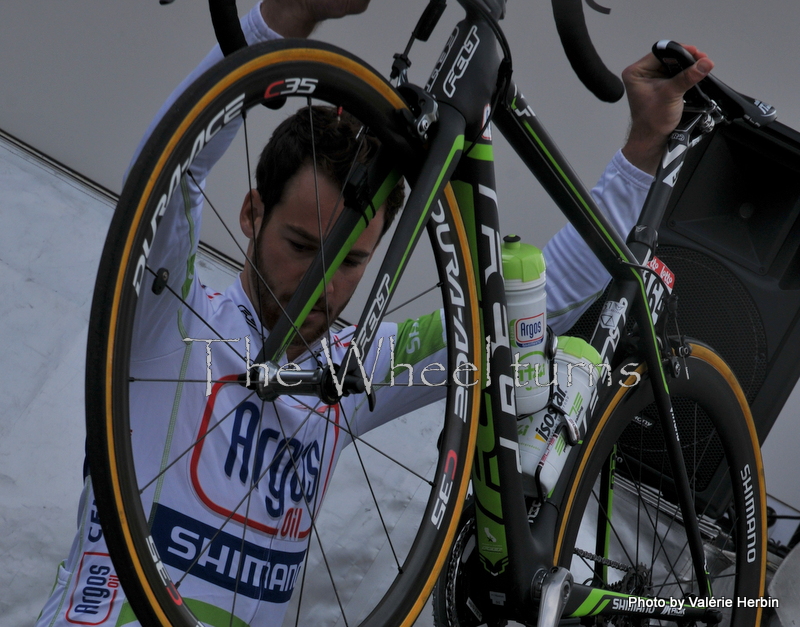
point(531, 142)
point(507, 551)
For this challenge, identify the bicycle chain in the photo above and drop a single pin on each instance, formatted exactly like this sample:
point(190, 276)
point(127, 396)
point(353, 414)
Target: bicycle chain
point(455, 558)
point(604, 561)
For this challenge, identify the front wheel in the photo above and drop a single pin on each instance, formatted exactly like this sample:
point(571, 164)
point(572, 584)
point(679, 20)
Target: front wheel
point(209, 495)
point(620, 528)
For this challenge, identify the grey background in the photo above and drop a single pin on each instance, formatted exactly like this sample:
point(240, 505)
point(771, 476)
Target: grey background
point(83, 78)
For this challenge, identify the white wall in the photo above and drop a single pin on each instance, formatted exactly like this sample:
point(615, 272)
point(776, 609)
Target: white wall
point(52, 228)
point(50, 238)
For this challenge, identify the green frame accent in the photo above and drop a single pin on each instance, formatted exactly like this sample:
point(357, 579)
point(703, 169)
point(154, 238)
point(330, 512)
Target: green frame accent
point(377, 201)
point(458, 146)
point(587, 208)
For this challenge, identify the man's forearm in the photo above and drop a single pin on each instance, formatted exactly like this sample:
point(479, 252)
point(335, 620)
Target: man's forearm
point(644, 152)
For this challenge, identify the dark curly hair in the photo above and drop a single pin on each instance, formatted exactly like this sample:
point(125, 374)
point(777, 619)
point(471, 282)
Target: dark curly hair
point(336, 144)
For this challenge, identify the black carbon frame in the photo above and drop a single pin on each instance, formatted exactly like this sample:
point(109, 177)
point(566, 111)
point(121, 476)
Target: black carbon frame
point(464, 84)
point(464, 78)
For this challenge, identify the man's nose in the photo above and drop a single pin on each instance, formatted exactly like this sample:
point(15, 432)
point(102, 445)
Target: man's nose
point(330, 288)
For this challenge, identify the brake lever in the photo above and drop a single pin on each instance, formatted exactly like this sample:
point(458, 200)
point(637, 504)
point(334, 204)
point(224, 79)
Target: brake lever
point(675, 59)
point(714, 93)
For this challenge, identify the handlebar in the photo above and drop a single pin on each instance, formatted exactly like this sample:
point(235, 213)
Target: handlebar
point(227, 29)
point(570, 22)
point(711, 90)
point(583, 57)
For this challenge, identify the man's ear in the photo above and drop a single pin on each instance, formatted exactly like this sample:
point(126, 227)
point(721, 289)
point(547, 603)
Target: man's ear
point(251, 214)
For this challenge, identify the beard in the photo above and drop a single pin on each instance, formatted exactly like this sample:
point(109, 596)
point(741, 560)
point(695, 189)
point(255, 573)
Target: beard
point(271, 303)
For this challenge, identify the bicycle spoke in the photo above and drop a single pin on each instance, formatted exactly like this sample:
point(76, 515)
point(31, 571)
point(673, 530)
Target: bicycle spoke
point(189, 449)
point(236, 508)
point(374, 448)
point(659, 539)
point(412, 299)
point(313, 519)
point(693, 443)
point(697, 463)
point(197, 315)
point(658, 522)
point(308, 549)
point(231, 468)
point(320, 231)
point(256, 232)
point(602, 511)
point(240, 566)
point(374, 498)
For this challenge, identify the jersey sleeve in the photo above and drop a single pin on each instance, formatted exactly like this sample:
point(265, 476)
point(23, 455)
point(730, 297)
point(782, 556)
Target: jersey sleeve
point(255, 30)
point(408, 369)
point(575, 277)
point(179, 230)
point(414, 351)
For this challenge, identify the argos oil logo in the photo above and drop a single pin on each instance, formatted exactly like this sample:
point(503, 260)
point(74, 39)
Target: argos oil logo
point(244, 451)
point(95, 591)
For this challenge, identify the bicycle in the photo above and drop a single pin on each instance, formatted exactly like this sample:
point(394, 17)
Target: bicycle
point(522, 563)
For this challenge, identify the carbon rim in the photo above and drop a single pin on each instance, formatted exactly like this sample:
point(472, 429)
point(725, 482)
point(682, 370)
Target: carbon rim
point(128, 528)
point(646, 552)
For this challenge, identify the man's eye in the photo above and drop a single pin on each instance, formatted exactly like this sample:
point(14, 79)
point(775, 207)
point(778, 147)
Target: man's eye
point(298, 247)
point(351, 263)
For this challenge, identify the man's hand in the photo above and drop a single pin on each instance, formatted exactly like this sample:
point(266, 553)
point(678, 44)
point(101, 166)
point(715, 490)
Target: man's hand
point(298, 18)
point(656, 103)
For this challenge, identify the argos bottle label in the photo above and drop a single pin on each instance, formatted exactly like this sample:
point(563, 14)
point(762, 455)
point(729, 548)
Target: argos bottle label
point(529, 331)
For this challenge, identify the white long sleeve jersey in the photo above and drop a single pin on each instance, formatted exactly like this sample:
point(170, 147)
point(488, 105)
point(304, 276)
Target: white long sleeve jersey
point(286, 449)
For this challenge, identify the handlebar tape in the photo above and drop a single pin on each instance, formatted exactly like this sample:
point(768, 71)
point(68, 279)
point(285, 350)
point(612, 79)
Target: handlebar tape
point(583, 57)
point(227, 28)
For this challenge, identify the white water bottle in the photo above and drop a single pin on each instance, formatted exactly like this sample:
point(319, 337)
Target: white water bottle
point(545, 438)
point(524, 274)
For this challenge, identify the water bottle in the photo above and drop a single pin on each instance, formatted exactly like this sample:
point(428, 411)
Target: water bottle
point(524, 274)
point(546, 437)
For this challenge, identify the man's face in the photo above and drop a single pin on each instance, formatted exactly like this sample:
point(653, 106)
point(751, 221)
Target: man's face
point(288, 244)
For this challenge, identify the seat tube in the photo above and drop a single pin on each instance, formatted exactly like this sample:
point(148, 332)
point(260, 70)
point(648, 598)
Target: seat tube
point(509, 556)
point(507, 551)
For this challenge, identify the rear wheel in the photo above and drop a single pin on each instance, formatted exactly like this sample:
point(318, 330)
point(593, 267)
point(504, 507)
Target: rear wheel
point(199, 523)
point(620, 528)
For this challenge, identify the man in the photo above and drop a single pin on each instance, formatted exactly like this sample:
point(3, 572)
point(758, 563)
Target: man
point(280, 218)
point(277, 448)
